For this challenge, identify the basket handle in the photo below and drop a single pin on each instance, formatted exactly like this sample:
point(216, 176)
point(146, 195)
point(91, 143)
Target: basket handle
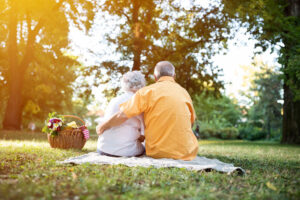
point(75, 117)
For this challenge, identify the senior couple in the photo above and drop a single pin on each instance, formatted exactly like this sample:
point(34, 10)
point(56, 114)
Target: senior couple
point(162, 114)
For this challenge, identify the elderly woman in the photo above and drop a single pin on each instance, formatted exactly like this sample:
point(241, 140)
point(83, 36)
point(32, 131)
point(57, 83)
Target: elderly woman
point(124, 140)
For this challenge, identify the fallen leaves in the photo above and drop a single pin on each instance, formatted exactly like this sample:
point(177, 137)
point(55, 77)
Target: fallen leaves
point(271, 186)
point(74, 176)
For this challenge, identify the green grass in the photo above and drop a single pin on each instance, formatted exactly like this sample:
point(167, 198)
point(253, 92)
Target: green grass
point(28, 170)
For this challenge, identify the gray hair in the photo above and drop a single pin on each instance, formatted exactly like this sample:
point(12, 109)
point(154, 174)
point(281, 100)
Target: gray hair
point(133, 81)
point(164, 68)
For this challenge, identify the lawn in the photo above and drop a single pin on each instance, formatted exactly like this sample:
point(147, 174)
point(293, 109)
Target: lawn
point(28, 170)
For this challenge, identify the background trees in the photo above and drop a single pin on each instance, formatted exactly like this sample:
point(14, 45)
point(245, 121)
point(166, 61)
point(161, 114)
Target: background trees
point(213, 112)
point(277, 22)
point(151, 31)
point(216, 116)
point(268, 87)
point(35, 65)
point(263, 115)
point(223, 117)
point(38, 72)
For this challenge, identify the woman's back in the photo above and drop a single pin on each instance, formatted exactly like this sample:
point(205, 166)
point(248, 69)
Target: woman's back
point(122, 140)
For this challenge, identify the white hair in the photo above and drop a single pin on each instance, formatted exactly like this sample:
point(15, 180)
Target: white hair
point(164, 68)
point(133, 81)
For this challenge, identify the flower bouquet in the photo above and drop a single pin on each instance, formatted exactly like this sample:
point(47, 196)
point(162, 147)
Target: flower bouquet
point(65, 135)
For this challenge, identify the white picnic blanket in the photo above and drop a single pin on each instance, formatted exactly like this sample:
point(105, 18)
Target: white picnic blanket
point(198, 164)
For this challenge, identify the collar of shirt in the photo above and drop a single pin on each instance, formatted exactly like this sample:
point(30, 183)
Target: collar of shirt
point(166, 78)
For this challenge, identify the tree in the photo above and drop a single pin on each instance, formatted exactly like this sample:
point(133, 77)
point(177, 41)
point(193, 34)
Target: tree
point(151, 31)
point(217, 111)
point(216, 116)
point(35, 37)
point(268, 87)
point(277, 22)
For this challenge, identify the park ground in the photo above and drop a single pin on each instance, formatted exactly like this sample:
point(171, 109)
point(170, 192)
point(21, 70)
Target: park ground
point(28, 170)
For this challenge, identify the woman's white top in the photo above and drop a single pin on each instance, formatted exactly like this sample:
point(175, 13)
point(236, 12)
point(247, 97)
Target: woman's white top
point(122, 140)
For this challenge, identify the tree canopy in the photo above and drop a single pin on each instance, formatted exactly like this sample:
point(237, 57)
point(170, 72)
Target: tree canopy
point(35, 64)
point(151, 31)
point(276, 22)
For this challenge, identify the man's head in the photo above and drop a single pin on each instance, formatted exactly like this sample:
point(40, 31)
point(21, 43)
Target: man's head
point(164, 68)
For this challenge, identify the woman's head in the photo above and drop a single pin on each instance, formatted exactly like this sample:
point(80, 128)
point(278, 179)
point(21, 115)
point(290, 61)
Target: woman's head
point(132, 81)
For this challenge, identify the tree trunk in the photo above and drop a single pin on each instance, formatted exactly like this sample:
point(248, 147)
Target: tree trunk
point(291, 117)
point(17, 69)
point(291, 108)
point(136, 29)
point(13, 114)
point(268, 129)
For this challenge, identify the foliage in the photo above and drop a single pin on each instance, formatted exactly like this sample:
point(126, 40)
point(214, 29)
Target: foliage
point(270, 23)
point(218, 112)
point(38, 69)
point(250, 132)
point(263, 118)
point(224, 133)
point(293, 71)
point(29, 170)
point(47, 129)
point(229, 133)
point(217, 117)
point(276, 22)
point(269, 89)
point(80, 109)
point(151, 31)
point(47, 94)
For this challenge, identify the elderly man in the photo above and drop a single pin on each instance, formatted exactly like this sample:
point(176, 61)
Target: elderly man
point(168, 115)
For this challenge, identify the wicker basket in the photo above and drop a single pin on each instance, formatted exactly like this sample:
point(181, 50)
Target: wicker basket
point(68, 139)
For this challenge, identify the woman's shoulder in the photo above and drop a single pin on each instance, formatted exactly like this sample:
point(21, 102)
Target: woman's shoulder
point(121, 98)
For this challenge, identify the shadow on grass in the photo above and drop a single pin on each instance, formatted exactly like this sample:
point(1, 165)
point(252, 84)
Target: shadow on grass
point(23, 135)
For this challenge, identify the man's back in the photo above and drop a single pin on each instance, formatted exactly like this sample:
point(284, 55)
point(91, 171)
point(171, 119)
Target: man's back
point(168, 114)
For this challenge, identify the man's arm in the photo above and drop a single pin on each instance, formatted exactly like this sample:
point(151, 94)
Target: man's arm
point(116, 120)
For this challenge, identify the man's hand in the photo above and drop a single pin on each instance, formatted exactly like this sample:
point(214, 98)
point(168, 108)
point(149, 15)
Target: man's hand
point(115, 120)
point(100, 129)
point(141, 138)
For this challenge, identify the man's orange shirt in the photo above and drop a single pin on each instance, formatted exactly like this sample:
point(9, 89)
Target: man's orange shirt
point(168, 114)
